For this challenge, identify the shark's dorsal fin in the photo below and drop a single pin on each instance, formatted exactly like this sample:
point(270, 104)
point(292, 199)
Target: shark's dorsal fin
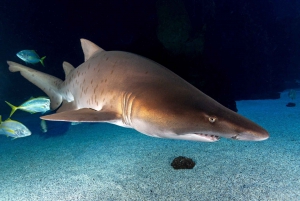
point(89, 48)
point(67, 68)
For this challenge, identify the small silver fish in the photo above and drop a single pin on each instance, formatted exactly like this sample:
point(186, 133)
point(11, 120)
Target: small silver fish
point(30, 56)
point(44, 126)
point(33, 105)
point(14, 129)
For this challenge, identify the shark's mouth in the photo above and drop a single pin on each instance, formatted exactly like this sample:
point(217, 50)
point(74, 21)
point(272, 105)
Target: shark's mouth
point(208, 137)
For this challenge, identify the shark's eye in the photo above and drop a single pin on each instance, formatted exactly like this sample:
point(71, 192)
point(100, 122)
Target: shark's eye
point(212, 119)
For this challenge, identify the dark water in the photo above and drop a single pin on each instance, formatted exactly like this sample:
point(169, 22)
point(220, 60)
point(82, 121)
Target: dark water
point(244, 50)
point(231, 50)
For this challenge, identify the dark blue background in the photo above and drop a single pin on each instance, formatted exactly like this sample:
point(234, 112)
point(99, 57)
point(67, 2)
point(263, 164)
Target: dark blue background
point(250, 50)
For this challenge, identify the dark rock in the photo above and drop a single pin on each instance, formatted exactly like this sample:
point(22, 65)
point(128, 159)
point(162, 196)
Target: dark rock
point(291, 104)
point(182, 162)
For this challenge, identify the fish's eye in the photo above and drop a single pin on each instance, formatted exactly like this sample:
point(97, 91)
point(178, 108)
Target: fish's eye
point(212, 119)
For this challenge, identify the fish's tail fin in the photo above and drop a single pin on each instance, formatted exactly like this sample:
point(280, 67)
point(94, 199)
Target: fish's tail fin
point(13, 108)
point(42, 60)
point(48, 83)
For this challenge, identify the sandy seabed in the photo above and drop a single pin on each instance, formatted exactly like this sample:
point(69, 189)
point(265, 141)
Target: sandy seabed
point(104, 162)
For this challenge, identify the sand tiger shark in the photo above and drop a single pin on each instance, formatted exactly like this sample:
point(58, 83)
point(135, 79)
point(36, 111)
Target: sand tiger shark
point(135, 92)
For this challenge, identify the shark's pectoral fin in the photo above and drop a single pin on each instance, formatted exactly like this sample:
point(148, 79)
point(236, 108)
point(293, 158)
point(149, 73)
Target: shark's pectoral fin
point(83, 115)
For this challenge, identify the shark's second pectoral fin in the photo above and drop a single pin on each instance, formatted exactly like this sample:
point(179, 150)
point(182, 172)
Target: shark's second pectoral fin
point(83, 115)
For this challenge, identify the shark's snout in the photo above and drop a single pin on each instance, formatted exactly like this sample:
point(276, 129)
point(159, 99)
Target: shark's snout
point(229, 124)
point(260, 135)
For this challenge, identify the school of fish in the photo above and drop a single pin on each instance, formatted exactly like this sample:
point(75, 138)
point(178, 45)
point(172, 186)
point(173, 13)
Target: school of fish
point(15, 129)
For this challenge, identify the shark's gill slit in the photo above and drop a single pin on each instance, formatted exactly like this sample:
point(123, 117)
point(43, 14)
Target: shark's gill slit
point(127, 108)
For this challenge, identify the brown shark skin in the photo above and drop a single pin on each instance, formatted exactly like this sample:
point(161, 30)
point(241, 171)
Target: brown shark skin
point(132, 91)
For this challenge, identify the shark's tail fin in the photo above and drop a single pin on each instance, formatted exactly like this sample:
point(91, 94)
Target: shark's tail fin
point(48, 83)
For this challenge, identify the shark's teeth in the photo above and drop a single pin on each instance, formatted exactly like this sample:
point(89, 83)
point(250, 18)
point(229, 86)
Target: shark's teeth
point(213, 137)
